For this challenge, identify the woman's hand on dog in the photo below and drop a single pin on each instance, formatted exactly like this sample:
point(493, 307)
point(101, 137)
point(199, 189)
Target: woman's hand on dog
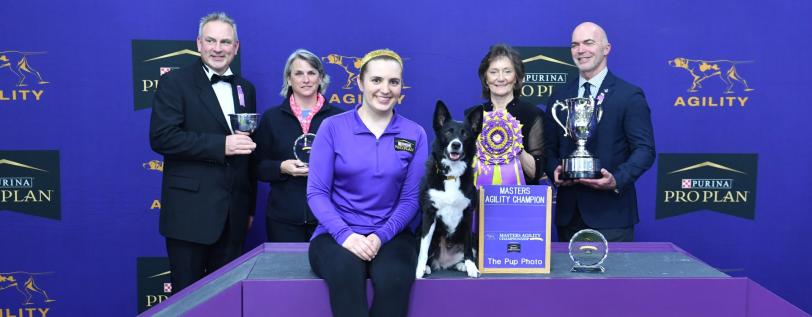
point(294, 168)
point(360, 246)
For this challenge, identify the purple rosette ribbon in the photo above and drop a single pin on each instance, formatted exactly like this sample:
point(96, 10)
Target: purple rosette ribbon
point(498, 147)
point(500, 140)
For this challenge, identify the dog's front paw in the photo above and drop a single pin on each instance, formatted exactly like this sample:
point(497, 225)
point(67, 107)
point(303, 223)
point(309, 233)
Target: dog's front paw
point(428, 270)
point(433, 266)
point(420, 271)
point(471, 269)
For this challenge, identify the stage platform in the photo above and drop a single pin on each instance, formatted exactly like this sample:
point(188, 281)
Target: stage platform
point(641, 279)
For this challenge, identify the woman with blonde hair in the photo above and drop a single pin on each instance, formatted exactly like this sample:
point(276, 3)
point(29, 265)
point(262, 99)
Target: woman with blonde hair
point(366, 168)
point(287, 216)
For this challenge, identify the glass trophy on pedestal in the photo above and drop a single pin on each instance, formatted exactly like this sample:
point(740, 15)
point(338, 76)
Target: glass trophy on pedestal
point(588, 249)
point(302, 146)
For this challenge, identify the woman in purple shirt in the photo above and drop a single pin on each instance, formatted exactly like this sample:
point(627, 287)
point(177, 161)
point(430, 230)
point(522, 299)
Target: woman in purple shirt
point(365, 171)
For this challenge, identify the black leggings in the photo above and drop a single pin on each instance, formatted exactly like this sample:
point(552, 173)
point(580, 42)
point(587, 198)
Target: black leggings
point(392, 273)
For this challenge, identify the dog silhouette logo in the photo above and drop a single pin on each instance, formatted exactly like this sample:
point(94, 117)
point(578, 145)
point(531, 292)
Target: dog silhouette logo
point(17, 62)
point(24, 283)
point(700, 70)
point(350, 64)
point(348, 94)
point(154, 165)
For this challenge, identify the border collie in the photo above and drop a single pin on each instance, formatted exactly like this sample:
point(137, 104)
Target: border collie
point(448, 196)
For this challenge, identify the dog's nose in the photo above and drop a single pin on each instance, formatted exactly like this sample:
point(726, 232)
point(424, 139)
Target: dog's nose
point(455, 145)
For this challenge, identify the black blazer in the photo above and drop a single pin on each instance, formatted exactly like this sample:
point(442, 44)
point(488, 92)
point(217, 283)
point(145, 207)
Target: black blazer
point(624, 143)
point(202, 187)
point(287, 201)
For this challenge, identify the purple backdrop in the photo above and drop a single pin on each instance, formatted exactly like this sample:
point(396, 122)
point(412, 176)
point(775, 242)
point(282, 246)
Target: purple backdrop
point(86, 260)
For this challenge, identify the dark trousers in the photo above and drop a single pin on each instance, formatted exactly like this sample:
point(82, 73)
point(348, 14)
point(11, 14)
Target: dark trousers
point(392, 274)
point(285, 232)
point(190, 261)
point(565, 233)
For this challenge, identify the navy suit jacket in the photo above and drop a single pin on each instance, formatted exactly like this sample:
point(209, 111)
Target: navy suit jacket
point(624, 144)
point(202, 187)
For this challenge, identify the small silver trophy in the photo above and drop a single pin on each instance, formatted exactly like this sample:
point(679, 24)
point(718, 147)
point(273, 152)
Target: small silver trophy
point(302, 146)
point(588, 249)
point(583, 115)
point(243, 122)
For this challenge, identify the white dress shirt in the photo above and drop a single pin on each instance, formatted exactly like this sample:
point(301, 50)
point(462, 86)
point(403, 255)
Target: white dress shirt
point(225, 95)
point(595, 83)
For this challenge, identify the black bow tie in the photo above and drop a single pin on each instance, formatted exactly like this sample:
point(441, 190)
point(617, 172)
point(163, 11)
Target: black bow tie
point(217, 78)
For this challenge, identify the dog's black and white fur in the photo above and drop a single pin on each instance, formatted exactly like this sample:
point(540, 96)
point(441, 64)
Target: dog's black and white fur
point(448, 196)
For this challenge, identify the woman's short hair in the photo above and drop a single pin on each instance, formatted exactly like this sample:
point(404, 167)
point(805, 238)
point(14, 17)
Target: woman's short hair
point(314, 62)
point(496, 51)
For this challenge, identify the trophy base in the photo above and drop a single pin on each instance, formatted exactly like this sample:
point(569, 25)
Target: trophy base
point(580, 167)
point(588, 269)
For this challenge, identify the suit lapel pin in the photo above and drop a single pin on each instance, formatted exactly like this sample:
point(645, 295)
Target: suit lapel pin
point(241, 96)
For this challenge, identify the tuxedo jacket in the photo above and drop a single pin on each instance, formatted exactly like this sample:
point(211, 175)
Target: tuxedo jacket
point(202, 187)
point(623, 142)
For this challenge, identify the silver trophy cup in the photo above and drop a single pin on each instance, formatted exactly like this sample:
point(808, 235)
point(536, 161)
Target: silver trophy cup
point(243, 122)
point(583, 115)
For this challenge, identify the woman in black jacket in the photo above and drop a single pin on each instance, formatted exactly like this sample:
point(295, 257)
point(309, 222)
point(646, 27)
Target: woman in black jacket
point(501, 73)
point(287, 216)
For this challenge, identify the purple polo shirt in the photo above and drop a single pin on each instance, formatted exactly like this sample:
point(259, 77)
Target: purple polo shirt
point(359, 184)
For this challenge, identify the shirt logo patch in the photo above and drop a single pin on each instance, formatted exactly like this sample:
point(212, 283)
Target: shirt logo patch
point(404, 145)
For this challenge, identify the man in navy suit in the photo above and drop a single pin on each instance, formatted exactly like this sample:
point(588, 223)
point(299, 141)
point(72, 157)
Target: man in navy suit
point(623, 142)
point(208, 191)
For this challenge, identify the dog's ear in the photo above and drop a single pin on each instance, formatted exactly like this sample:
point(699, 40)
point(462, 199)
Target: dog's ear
point(441, 115)
point(474, 120)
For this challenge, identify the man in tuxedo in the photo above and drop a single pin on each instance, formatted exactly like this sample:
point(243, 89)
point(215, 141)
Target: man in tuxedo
point(623, 142)
point(208, 191)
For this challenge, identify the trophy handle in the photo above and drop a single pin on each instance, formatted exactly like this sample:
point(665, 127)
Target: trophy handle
point(561, 105)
